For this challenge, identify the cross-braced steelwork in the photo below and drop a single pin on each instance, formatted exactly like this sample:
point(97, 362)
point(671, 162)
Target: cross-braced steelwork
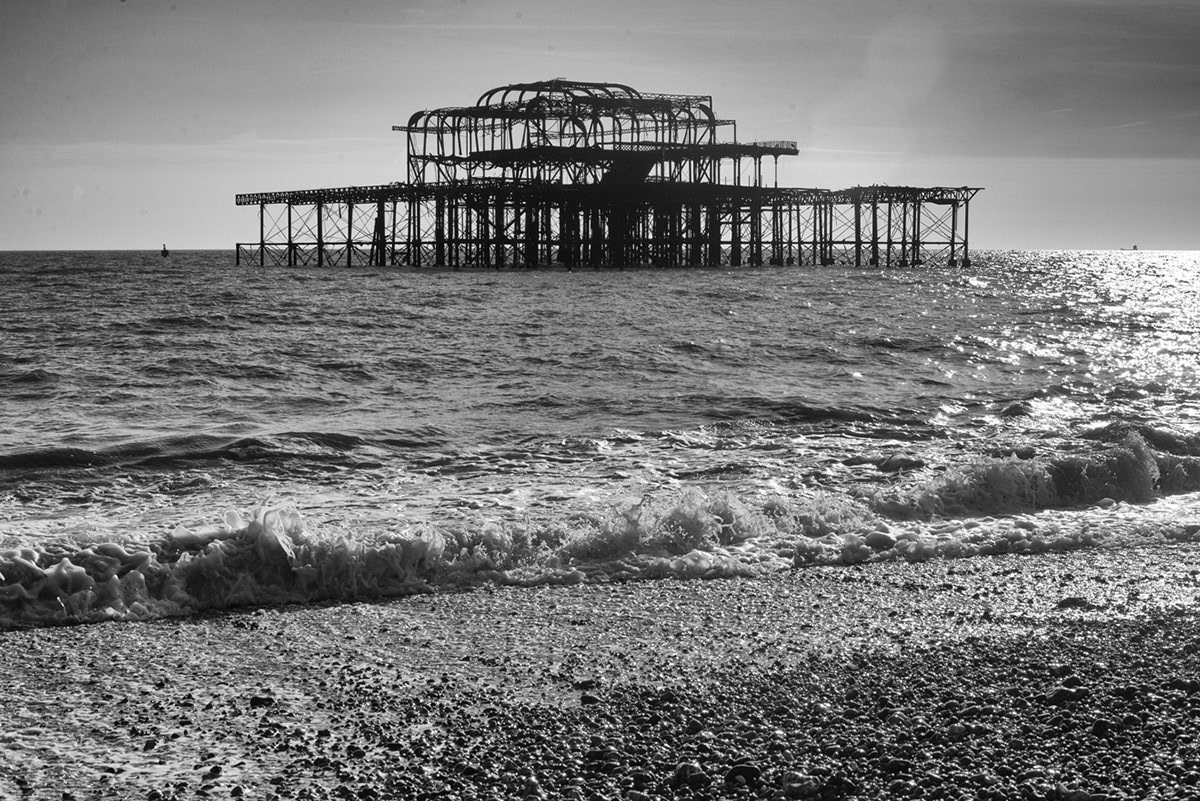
point(592, 174)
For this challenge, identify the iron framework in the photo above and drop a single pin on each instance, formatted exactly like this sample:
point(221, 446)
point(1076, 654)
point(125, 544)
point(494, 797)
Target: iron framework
point(591, 174)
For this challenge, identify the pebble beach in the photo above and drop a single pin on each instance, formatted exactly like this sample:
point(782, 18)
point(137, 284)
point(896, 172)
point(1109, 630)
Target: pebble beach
point(1061, 676)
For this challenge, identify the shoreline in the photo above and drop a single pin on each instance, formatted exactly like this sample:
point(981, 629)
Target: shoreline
point(1069, 675)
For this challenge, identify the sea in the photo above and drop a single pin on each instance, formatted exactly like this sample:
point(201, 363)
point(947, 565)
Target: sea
point(186, 435)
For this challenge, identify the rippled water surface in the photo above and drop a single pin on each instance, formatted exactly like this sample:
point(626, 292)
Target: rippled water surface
point(538, 425)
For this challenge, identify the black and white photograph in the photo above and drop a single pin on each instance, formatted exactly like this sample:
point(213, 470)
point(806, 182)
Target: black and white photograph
point(671, 400)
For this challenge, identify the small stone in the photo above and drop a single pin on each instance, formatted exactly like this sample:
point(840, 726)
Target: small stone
point(587, 699)
point(682, 771)
point(1101, 727)
point(801, 788)
point(749, 774)
point(1061, 695)
point(261, 701)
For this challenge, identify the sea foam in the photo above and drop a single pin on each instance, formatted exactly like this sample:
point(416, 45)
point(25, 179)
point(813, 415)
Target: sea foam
point(987, 506)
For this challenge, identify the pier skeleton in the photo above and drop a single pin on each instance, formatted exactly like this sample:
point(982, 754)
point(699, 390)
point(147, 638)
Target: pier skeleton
point(592, 174)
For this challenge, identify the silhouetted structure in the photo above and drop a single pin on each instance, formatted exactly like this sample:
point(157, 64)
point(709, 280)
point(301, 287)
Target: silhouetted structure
point(599, 174)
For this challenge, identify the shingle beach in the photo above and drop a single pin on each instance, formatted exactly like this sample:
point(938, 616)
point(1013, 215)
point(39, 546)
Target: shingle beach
point(1065, 676)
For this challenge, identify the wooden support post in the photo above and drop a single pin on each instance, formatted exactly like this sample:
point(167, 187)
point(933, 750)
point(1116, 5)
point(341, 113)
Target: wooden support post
point(262, 234)
point(349, 234)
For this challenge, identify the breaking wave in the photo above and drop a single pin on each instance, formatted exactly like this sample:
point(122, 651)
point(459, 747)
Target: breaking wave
point(990, 505)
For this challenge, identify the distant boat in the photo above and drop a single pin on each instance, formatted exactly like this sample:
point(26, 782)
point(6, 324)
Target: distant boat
point(165, 252)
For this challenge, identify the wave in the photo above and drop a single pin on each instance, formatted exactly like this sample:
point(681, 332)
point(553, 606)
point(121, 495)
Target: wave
point(320, 446)
point(988, 506)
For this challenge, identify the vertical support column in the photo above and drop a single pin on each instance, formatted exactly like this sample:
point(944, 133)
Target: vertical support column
point(714, 235)
point(531, 235)
point(890, 241)
point(320, 233)
point(735, 235)
point(451, 209)
point(916, 237)
point(756, 233)
point(904, 233)
point(412, 248)
point(291, 243)
point(439, 231)
point(379, 241)
point(793, 210)
point(696, 235)
point(262, 234)
point(349, 233)
point(392, 238)
point(498, 228)
point(816, 231)
point(966, 257)
point(875, 230)
point(857, 230)
point(953, 234)
point(827, 233)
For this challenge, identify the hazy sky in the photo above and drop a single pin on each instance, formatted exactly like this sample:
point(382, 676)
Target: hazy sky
point(129, 123)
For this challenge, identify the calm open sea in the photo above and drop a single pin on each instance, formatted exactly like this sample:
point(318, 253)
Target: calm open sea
point(183, 434)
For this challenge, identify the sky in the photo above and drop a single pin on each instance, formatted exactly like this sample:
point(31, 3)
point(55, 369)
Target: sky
point(128, 124)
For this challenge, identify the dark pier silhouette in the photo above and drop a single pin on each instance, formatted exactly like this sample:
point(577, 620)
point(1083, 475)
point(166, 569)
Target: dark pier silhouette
point(592, 174)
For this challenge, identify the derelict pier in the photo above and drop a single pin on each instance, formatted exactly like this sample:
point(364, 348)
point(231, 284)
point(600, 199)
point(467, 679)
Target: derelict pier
point(590, 174)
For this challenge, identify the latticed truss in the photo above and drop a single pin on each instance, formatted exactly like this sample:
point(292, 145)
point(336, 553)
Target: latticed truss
point(599, 174)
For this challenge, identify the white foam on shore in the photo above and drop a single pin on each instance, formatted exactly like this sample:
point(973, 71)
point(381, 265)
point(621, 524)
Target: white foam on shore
point(274, 557)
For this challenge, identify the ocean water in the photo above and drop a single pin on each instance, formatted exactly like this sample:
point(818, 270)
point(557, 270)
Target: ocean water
point(184, 434)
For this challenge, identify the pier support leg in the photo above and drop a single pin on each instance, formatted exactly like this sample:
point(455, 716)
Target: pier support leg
point(966, 258)
point(320, 234)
